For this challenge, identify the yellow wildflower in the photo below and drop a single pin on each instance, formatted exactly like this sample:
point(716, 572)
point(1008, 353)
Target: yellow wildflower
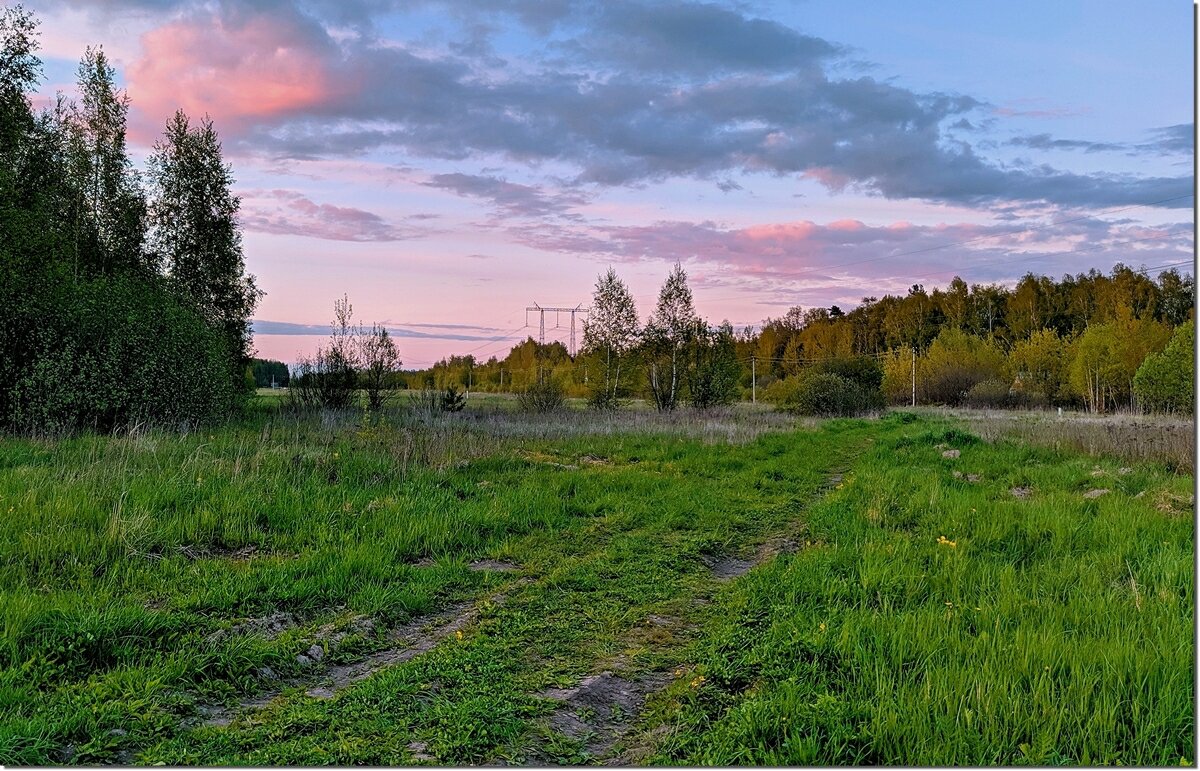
point(458, 634)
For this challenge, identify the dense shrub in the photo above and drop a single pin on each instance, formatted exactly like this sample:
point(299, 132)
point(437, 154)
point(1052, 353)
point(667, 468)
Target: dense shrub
point(825, 394)
point(453, 400)
point(954, 364)
point(990, 393)
point(1166, 381)
point(115, 352)
point(543, 396)
point(863, 370)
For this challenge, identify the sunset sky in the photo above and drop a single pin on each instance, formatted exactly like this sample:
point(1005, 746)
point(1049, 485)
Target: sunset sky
point(446, 164)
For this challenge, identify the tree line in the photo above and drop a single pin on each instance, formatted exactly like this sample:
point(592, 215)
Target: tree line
point(1092, 340)
point(676, 358)
point(123, 293)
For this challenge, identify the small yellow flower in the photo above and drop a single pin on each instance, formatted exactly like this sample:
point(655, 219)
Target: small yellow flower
point(458, 634)
point(698, 681)
point(336, 456)
point(822, 627)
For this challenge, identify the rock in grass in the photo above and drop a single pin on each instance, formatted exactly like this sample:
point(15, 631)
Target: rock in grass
point(1096, 493)
point(266, 673)
point(1021, 492)
point(303, 660)
point(316, 652)
point(951, 454)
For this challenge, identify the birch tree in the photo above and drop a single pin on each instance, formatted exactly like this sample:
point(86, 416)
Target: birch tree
point(668, 331)
point(610, 334)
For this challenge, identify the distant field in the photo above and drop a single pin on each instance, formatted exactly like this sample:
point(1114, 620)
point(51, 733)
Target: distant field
point(732, 588)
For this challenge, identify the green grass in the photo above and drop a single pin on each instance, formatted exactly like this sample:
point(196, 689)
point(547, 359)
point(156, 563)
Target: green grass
point(1055, 629)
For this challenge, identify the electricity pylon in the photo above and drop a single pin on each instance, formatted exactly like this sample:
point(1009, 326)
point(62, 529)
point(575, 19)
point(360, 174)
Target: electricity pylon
point(556, 311)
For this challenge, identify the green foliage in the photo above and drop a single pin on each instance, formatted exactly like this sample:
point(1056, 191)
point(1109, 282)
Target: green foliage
point(195, 234)
point(118, 352)
point(713, 370)
point(1107, 357)
point(268, 371)
point(863, 370)
point(825, 394)
point(543, 396)
point(379, 362)
point(453, 400)
point(954, 363)
point(1040, 365)
point(92, 335)
point(610, 334)
point(1166, 381)
point(667, 335)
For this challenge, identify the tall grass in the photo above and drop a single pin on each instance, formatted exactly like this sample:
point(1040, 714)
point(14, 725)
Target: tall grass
point(937, 621)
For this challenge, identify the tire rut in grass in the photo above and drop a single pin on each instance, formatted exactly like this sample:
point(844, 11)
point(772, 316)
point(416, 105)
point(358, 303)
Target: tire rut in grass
point(728, 567)
point(603, 709)
point(419, 636)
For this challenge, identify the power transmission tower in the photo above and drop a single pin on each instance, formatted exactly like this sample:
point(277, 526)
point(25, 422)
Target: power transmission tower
point(556, 311)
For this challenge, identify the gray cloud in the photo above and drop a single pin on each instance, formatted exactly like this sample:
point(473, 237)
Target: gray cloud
point(286, 212)
point(511, 198)
point(694, 38)
point(634, 92)
point(1167, 140)
point(1046, 142)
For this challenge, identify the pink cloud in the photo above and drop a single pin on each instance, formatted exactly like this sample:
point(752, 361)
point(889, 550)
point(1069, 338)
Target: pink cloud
point(235, 68)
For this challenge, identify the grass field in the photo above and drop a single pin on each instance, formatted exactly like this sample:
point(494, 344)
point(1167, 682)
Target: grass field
point(485, 587)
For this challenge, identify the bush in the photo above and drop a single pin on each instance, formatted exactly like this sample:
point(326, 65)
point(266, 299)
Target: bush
point(453, 400)
point(825, 394)
point(863, 370)
point(1166, 381)
point(990, 393)
point(780, 391)
point(954, 364)
point(114, 352)
point(543, 396)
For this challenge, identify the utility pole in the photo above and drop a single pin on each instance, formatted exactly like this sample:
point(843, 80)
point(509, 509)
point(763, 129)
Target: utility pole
point(754, 380)
point(914, 376)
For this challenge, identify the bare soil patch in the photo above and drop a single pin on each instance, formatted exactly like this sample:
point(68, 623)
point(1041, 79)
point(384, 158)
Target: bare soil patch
point(496, 566)
point(601, 708)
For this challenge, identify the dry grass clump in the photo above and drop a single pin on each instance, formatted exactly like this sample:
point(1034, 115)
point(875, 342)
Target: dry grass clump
point(1166, 439)
point(732, 425)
